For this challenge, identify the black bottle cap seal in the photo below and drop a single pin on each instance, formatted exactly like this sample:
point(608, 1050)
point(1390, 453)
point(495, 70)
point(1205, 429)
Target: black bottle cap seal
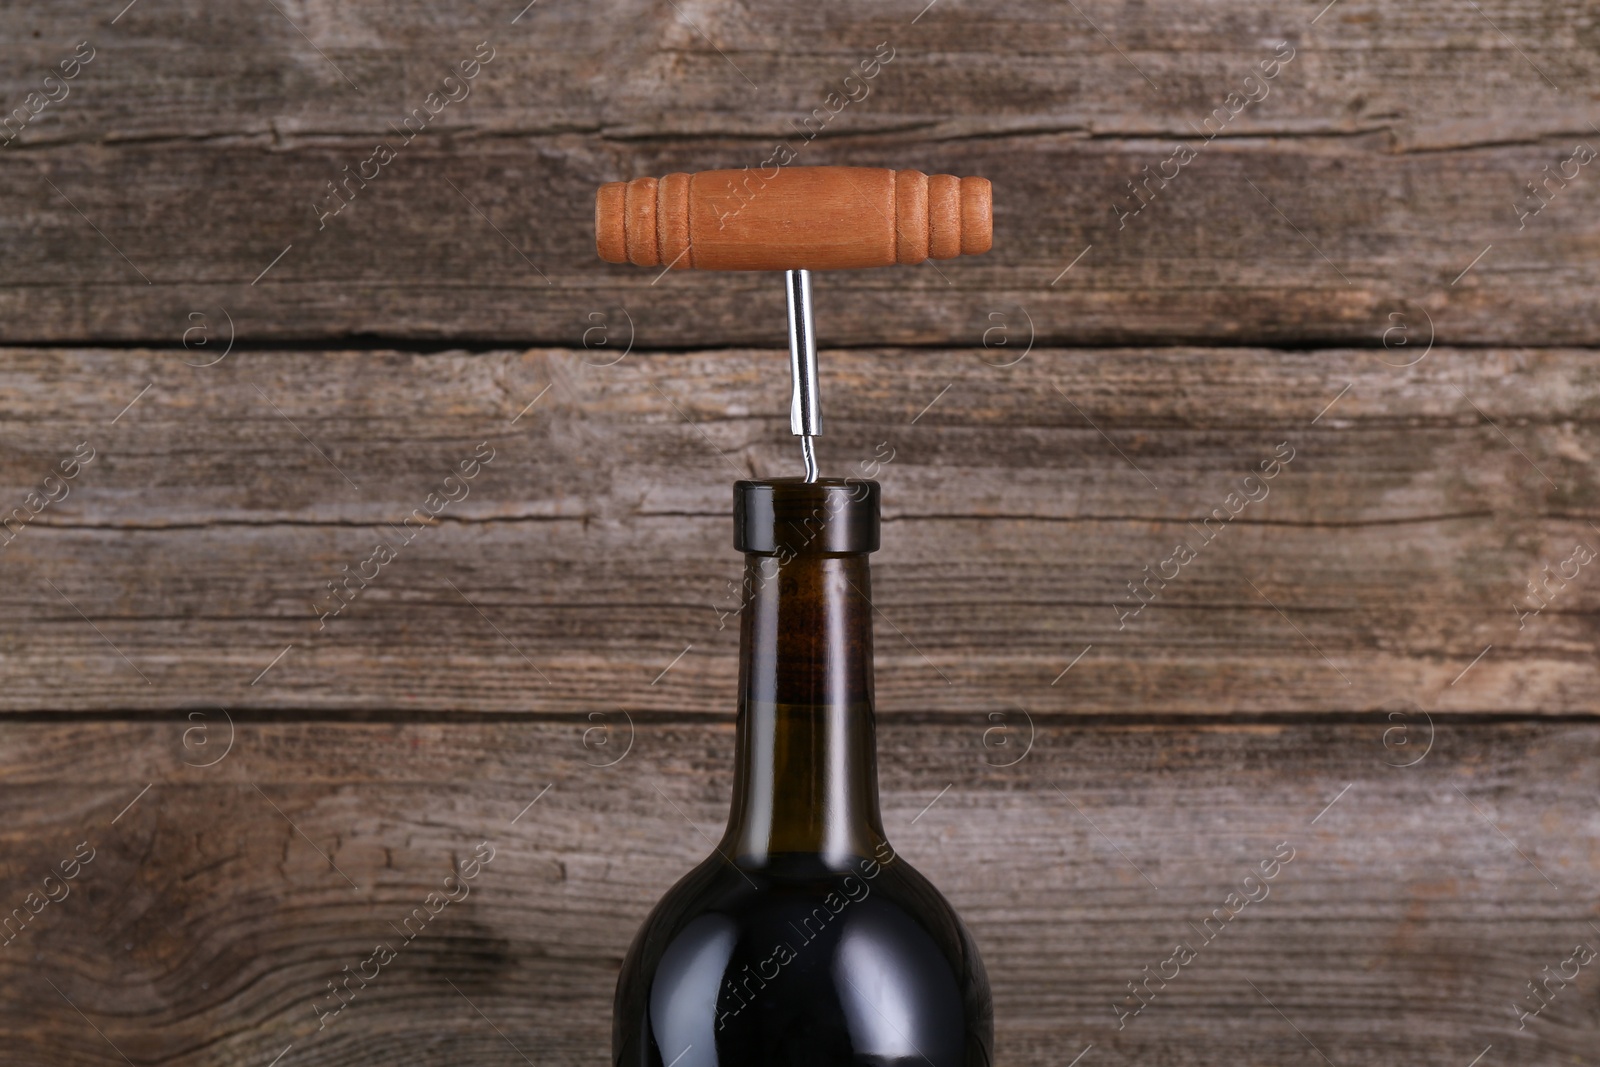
point(792, 517)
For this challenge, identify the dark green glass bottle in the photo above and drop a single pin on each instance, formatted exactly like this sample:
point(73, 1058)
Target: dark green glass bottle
point(804, 940)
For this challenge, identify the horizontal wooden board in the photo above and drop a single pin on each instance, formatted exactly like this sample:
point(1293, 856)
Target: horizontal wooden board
point(636, 70)
point(587, 567)
point(221, 900)
point(1387, 157)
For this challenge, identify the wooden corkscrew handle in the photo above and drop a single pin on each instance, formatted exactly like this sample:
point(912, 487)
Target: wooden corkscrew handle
point(796, 218)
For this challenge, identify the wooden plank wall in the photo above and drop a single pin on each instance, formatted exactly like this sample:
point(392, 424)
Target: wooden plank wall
point(251, 391)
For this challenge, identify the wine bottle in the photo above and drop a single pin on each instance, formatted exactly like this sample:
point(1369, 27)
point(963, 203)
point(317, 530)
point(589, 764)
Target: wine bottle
point(804, 939)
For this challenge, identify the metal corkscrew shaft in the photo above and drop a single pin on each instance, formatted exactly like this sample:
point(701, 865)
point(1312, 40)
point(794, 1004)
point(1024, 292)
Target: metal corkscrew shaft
point(805, 412)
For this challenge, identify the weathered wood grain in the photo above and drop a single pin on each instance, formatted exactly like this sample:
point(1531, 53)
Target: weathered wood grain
point(215, 912)
point(567, 614)
point(593, 552)
point(1389, 153)
point(635, 69)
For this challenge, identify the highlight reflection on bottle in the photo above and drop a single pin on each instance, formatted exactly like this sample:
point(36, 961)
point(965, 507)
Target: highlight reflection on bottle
point(804, 939)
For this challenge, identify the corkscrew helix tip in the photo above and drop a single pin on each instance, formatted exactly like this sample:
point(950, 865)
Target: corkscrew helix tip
point(808, 453)
point(805, 413)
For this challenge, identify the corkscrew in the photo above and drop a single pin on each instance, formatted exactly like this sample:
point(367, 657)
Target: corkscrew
point(796, 220)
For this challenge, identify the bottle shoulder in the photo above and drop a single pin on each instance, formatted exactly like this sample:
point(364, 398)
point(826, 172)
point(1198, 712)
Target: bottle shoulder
point(799, 884)
point(859, 964)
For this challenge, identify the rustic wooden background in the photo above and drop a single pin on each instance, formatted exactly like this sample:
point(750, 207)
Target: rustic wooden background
point(546, 667)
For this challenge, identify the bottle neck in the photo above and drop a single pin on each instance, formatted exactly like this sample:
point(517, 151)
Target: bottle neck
point(805, 771)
